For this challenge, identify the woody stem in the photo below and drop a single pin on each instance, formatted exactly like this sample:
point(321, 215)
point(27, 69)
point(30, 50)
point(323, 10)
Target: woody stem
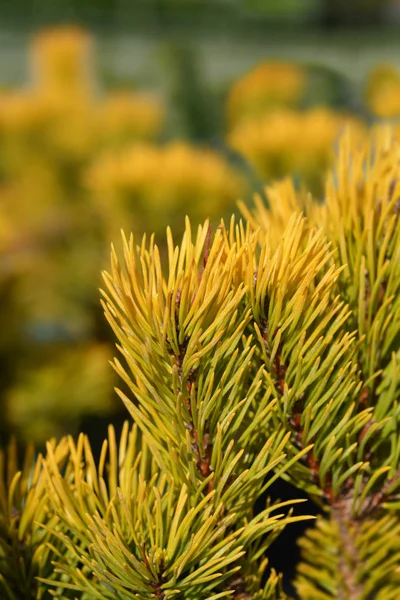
point(349, 587)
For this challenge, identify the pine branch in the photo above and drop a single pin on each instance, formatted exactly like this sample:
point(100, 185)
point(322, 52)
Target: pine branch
point(353, 465)
point(138, 534)
point(190, 367)
point(349, 588)
point(26, 550)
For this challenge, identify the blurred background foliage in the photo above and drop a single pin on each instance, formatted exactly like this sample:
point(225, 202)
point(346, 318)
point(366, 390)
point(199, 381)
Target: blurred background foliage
point(120, 113)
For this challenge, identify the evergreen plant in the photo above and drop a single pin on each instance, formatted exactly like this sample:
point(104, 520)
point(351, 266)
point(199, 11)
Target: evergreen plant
point(267, 350)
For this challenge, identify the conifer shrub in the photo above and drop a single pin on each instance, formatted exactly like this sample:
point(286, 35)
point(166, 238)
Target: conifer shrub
point(268, 349)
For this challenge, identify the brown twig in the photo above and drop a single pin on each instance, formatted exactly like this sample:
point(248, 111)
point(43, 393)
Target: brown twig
point(278, 367)
point(207, 247)
point(280, 372)
point(155, 585)
point(349, 560)
point(238, 586)
point(309, 458)
point(203, 455)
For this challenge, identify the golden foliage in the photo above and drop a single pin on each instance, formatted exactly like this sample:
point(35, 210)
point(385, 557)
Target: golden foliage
point(154, 182)
point(383, 91)
point(285, 142)
point(62, 62)
point(245, 359)
point(123, 116)
point(267, 85)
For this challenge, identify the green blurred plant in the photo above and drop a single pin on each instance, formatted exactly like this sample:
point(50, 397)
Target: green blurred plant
point(73, 384)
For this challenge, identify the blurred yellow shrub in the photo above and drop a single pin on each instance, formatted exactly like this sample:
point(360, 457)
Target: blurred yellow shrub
point(383, 91)
point(158, 183)
point(76, 164)
point(284, 141)
point(267, 85)
point(122, 117)
point(61, 60)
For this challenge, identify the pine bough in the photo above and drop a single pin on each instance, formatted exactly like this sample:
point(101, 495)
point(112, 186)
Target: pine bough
point(267, 350)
